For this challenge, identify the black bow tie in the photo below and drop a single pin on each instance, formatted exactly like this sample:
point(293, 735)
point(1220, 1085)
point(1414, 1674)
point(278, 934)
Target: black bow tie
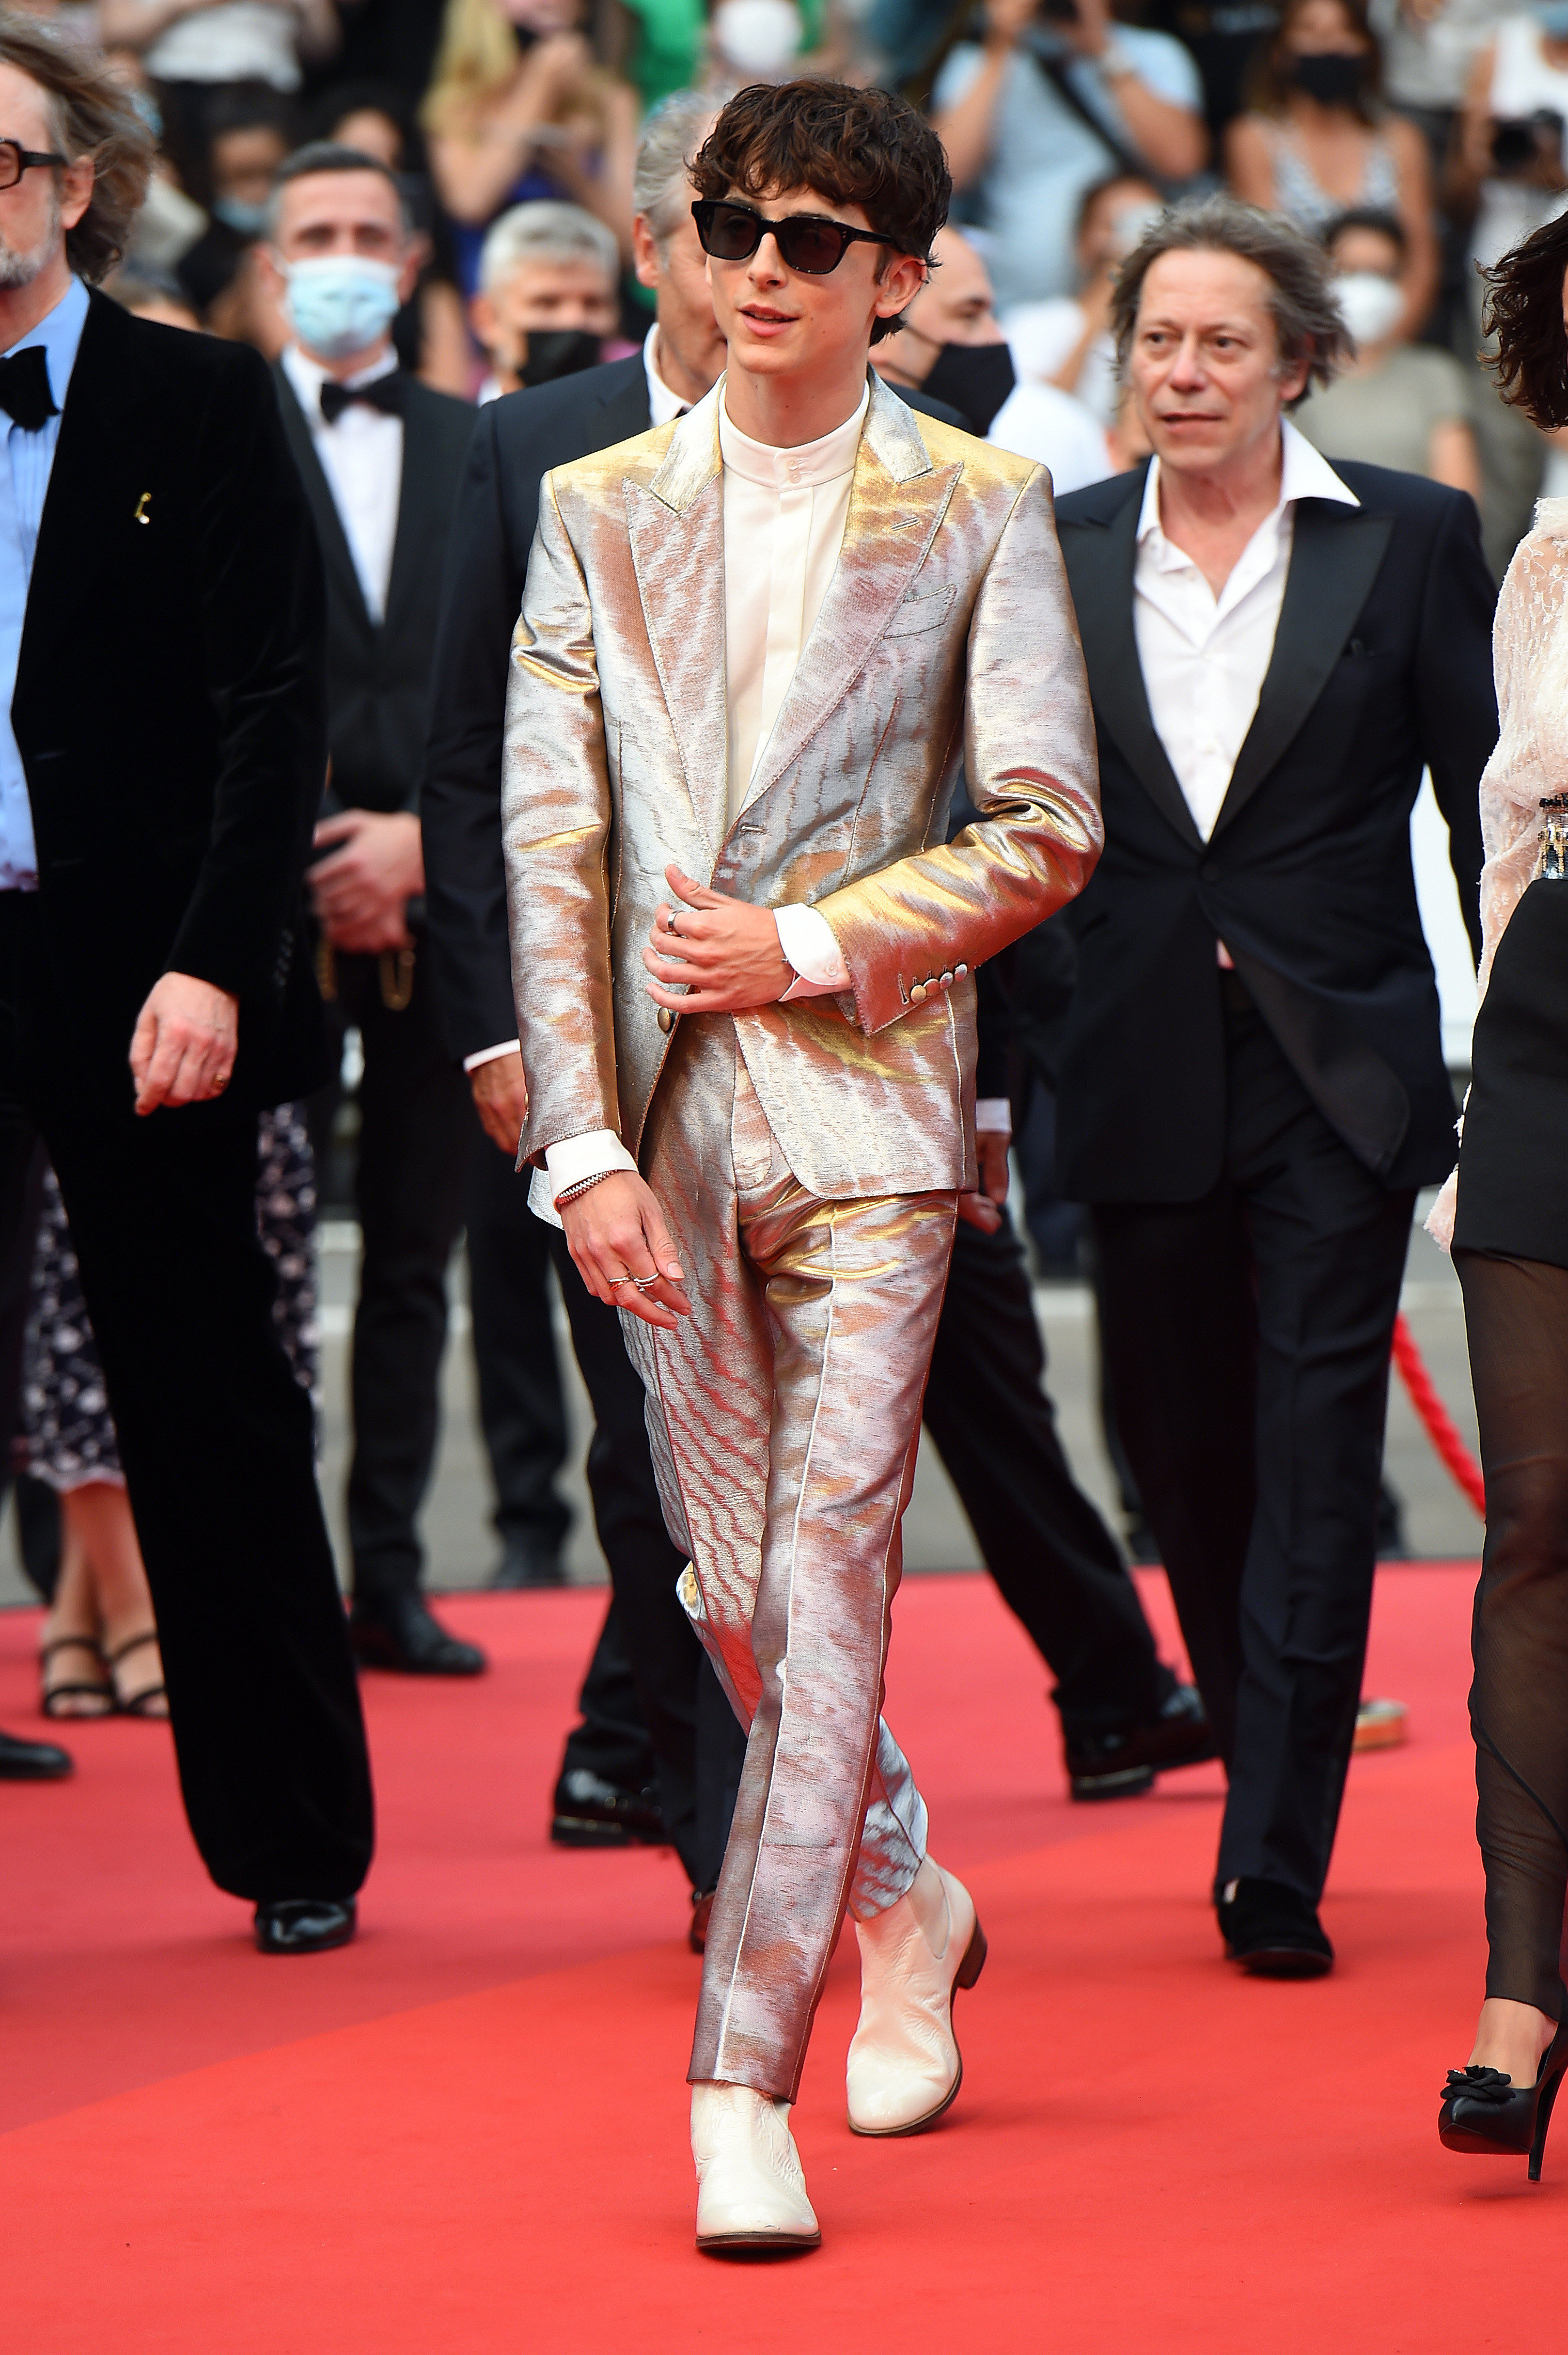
point(25, 392)
point(383, 392)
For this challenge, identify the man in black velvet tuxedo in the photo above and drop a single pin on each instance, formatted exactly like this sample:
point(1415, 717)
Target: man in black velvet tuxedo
point(1124, 1716)
point(161, 638)
point(1252, 1080)
point(380, 457)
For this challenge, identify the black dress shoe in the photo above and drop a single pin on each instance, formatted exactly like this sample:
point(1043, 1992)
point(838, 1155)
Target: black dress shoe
point(33, 1762)
point(530, 1561)
point(1120, 1765)
point(591, 1813)
point(399, 1632)
point(304, 1925)
point(1484, 2113)
point(1274, 1933)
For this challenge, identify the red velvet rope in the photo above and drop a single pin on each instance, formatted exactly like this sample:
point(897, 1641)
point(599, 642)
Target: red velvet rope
point(1439, 1423)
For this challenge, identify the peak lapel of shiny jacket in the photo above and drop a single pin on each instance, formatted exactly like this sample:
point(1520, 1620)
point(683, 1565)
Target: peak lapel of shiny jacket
point(676, 523)
point(895, 505)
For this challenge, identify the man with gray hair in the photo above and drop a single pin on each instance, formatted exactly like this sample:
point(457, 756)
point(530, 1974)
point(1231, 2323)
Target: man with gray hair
point(1252, 1080)
point(548, 295)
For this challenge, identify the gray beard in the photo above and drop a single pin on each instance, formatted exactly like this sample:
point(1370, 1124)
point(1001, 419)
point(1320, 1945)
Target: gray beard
point(20, 265)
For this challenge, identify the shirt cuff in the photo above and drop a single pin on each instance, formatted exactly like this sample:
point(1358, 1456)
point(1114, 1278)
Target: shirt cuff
point(492, 1054)
point(992, 1114)
point(596, 1154)
point(807, 939)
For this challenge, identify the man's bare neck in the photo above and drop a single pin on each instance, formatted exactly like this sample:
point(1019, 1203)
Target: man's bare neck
point(787, 412)
point(353, 362)
point(687, 384)
point(1210, 515)
point(22, 307)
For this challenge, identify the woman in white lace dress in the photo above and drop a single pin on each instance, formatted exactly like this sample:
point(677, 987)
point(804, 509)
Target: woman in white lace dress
point(1505, 1212)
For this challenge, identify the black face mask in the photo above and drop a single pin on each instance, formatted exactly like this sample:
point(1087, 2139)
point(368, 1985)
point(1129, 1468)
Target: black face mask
point(566, 353)
point(1333, 81)
point(973, 378)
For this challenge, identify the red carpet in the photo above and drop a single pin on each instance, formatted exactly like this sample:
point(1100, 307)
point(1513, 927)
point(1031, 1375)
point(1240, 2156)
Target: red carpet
point(466, 2131)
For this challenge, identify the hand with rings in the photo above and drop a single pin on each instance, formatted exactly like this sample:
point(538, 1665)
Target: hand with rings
point(728, 956)
point(621, 1246)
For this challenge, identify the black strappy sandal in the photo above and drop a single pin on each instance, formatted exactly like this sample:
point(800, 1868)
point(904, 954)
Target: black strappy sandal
point(139, 1704)
point(102, 1689)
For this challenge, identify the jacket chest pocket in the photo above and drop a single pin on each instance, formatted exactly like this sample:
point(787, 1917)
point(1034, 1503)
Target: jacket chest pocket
point(922, 609)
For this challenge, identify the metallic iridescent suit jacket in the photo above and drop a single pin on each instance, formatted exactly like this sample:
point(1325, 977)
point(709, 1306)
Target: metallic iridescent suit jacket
point(947, 633)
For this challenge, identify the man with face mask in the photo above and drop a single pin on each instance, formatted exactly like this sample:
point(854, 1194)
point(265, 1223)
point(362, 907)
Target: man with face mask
point(548, 295)
point(380, 456)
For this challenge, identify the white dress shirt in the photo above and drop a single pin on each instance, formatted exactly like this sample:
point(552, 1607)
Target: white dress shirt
point(24, 486)
point(664, 406)
point(1204, 657)
point(362, 457)
point(784, 512)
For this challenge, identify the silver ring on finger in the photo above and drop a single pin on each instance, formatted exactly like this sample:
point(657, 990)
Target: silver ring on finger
point(671, 926)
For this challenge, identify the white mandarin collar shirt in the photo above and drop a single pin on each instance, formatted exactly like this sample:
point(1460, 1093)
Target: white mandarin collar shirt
point(362, 457)
point(664, 406)
point(784, 512)
point(1204, 657)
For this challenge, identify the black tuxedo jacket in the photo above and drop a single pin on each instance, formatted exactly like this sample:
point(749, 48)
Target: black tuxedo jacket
point(515, 442)
point(1382, 664)
point(377, 675)
point(170, 704)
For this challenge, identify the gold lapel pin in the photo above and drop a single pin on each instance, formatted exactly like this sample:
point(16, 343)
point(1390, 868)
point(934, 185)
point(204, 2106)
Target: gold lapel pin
point(142, 504)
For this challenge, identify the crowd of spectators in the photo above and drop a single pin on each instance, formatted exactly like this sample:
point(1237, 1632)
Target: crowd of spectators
point(1417, 138)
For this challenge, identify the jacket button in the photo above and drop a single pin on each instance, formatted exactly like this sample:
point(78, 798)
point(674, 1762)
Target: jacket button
point(946, 981)
point(1210, 870)
point(666, 1019)
point(917, 993)
point(960, 970)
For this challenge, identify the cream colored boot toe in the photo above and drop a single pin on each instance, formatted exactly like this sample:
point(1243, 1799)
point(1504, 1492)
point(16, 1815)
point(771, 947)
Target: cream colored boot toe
point(905, 2067)
point(751, 2191)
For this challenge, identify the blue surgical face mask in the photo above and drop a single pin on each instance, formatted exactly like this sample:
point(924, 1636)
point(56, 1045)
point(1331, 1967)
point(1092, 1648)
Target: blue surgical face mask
point(147, 107)
point(340, 303)
point(244, 220)
point(1552, 15)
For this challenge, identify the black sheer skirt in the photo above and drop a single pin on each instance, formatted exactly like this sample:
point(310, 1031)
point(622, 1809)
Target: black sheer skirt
point(1516, 1312)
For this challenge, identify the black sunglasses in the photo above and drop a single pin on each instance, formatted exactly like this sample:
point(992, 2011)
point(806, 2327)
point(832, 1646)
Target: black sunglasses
point(806, 242)
point(16, 159)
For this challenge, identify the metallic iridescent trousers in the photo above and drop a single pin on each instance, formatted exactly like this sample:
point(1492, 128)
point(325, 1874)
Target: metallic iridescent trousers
point(785, 1416)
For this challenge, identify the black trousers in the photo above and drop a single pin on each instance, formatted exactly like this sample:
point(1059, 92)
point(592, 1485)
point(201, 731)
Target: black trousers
point(417, 1136)
point(215, 1434)
point(1056, 1563)
point(1248, 1336)
point(647, 1663)
point(521, 1411)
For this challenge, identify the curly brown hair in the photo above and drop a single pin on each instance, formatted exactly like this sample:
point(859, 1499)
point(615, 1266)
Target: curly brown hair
point(865, 147)
point(1523, 309)
point(92, 115)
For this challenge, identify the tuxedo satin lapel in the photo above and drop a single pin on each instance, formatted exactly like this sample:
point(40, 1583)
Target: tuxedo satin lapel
point(1101, 561)
point(418, 495)
point(1334, 561)
point(88, 482)
point(334, 553)
point(677, 529)
point(895, 505)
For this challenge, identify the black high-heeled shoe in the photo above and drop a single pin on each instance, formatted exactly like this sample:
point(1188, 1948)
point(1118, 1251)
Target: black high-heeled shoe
point(1485, 2113)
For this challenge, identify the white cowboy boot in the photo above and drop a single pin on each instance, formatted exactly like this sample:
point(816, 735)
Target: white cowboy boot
point(905, 2067)
point(750, 2192)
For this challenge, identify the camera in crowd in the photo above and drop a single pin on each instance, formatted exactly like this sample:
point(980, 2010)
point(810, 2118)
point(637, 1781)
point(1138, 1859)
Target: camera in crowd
point(1531, 149)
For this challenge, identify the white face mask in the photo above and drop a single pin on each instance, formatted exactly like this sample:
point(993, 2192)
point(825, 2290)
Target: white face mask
point(1371, 306)
point(338, 304)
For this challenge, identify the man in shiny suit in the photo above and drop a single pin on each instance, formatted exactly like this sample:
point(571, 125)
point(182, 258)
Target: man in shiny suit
point(745, 653)
point(1252, 1085)
point(161, 763)
point(380, 457)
